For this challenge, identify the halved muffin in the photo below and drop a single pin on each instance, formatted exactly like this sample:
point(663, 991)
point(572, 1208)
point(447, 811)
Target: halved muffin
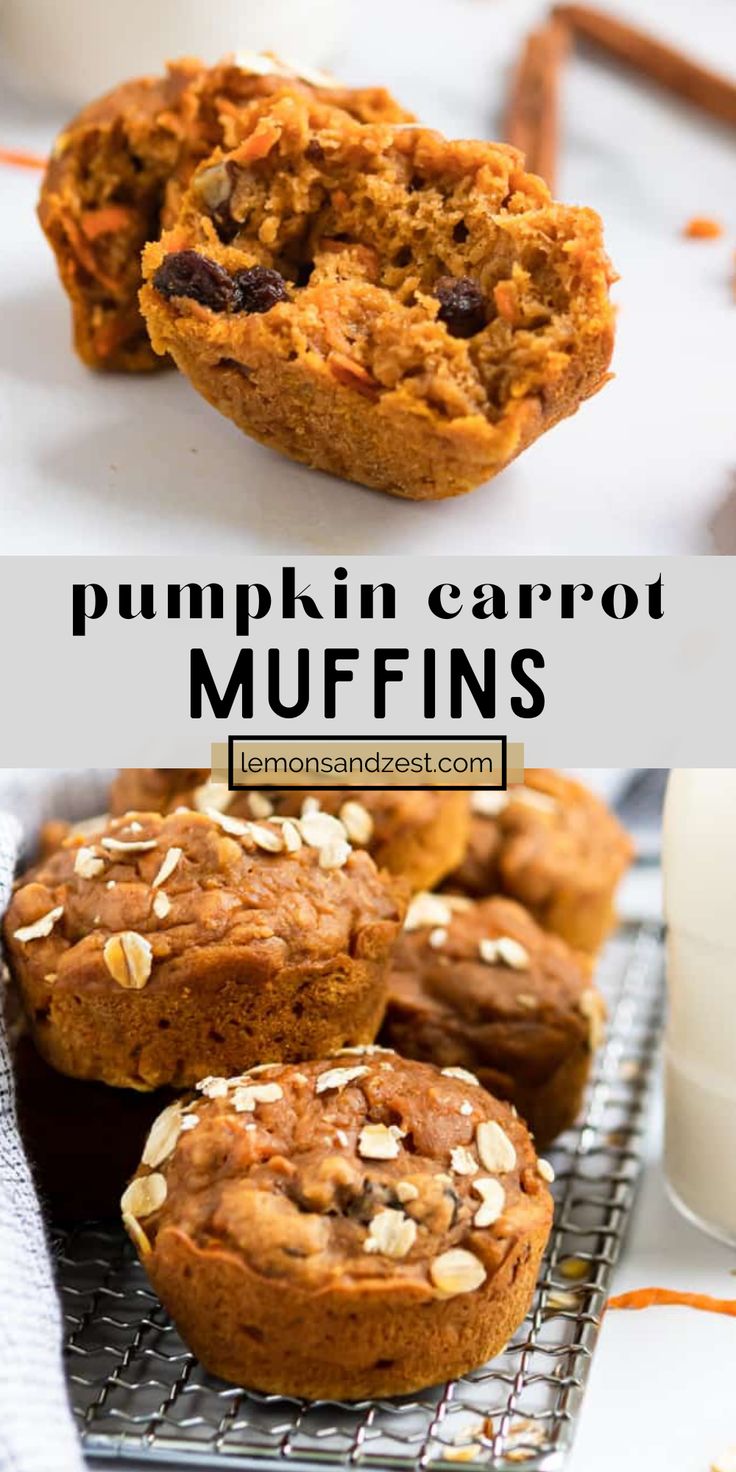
point(379, 302)
point(118, 170)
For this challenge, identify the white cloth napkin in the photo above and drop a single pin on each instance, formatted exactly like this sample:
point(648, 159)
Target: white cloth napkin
point(37, 1432)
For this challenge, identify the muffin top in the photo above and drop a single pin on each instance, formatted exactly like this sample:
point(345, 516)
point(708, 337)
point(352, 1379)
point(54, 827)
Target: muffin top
point(371, 815)
point(358, 1168)
point(121, 906)
point(487, 959)
point(550, 823)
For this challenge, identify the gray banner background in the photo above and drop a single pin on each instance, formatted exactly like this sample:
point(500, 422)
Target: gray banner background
point(637, 692)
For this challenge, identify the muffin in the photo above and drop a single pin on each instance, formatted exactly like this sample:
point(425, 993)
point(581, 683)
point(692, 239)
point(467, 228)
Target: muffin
point(478, 985)
point(117, 172)
point(555, 847)
point(164, 948)
point(378, 302)
point(355, 1227)
point(420, 834)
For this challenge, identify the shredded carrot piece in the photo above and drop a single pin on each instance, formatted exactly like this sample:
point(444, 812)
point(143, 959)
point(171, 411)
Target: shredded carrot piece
point(701, 227)
point(106, 220)
point(21, 159)
point(660, 1297)
point(264, 137)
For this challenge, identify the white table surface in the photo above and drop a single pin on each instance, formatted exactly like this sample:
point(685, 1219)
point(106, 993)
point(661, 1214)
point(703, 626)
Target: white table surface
point(110, 465)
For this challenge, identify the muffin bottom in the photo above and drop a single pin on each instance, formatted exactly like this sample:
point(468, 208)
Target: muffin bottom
point(346, 1343)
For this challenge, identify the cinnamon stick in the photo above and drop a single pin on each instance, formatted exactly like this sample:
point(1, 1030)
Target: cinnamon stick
point(672, 69)
point(532, 120)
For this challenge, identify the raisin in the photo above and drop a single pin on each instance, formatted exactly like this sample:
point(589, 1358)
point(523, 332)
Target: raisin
point(186, 273)
point(314, 151)
point(462, 305)
point(258, 290)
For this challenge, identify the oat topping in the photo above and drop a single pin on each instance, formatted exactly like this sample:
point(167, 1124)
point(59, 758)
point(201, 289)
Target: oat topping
point(189, 1122)
point(493, 1200)
point(560, 1300)
point(357, 822)
point(513, 953)
point(335, 854)
point(311, 805)
point(291, 836)
point(391, 1233)
point(136, 1233)
point(246, 1097)
point(405, 1192)
point(268, 839)
point(457, 1271)
point(213, 1088)
point(437, 938)
point(260, 806)
point(504, 950)
point(380, 1141)
point(171, 859)
point(463, 1074)
point(488, 803)
point(495, 1149)
point(545, 1170)
point(525, 999)
point(144, 1195)
point(40, 928)
point(129, 959)
point(161, 905)
point(212, 797)
point(338, 1078)
point(466, 1107)
point(163, 1135)
point(319, 829)
point(533, 799)
point(214, 187)
point(128, 846)
point(427, 909)
point(463, 1161)
point(363, 1050)
point(88, 864)
point(236, 827)
point(591, 1006)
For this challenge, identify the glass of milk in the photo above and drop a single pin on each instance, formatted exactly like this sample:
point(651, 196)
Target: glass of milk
point(73, 51)
point(700, 1044)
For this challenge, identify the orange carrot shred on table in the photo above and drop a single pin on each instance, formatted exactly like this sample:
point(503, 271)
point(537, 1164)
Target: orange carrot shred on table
point(662, 1297)
point(21, 159)
point(702, 227)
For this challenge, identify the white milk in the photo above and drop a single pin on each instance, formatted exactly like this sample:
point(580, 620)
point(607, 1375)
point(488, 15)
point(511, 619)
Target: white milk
point(700, 1045)
point(70, 51)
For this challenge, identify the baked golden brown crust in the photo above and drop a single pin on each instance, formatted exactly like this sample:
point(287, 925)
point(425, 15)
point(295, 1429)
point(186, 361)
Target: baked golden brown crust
point(116, 175)
point(164, 948)
point(555, 847)
point(478, 985)
point(437, 310)
point(419, 834)
point(321, 1230)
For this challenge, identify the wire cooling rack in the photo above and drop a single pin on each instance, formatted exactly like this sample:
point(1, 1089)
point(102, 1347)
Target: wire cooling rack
point(139, 1394)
